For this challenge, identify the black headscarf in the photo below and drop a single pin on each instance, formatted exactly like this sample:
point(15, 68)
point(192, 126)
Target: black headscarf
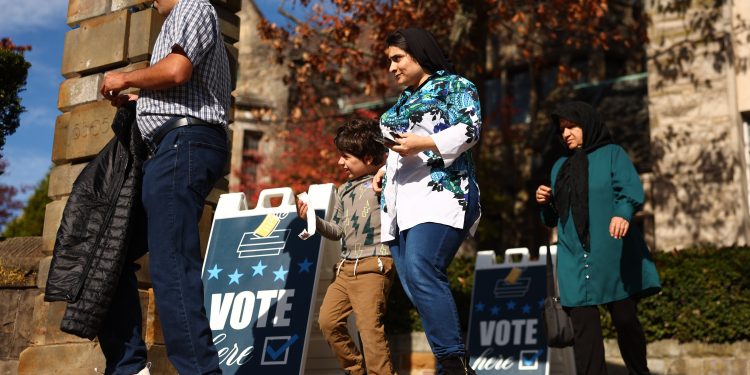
point(426, 50)
point(572, 184)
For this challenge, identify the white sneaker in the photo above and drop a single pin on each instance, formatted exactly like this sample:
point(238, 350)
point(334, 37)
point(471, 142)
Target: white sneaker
point(145, 370)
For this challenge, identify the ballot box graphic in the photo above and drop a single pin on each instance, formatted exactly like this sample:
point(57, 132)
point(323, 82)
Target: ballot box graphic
point(506, 332)
point(261, 282)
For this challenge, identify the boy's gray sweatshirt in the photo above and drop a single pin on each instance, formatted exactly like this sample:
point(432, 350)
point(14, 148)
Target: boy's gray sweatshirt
point(356, 220)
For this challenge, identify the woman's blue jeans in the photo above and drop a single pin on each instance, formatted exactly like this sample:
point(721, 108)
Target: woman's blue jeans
point(176, 181)
point(422, 255)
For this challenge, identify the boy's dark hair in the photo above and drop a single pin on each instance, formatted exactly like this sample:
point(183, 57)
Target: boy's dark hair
point(360, 138)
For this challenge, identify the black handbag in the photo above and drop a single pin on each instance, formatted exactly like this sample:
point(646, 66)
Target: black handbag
point(557, 324)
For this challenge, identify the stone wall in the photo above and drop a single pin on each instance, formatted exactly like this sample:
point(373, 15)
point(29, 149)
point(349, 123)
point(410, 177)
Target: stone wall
point(698, 184)
point(105, 35)
point(16, 325)
point(262, 96)
point(668, 357)
point(412, 356)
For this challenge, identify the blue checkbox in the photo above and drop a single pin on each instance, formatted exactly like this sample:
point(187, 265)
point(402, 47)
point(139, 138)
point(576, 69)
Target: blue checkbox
point(275, 354)
point(530, 359)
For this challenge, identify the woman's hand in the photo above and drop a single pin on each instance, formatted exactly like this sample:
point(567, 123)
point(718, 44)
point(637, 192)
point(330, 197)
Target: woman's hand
point(618, 227)
point(377, 181)
point(408, 144)
point(302, 209)
point(543, 194)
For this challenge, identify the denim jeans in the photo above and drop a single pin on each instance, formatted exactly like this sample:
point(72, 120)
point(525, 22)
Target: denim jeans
point(422, 255)
point(176, 181)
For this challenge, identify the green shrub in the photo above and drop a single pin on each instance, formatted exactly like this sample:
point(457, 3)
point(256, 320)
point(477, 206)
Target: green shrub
point(705, 297)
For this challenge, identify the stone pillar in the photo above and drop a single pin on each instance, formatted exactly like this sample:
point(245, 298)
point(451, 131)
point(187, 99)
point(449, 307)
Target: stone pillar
point(105, 35)
point(699, 184)
point(261, 107)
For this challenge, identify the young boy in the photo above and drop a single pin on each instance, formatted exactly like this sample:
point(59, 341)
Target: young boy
point(363, 277)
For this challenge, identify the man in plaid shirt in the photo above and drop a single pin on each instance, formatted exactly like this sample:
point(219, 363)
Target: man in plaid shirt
point(182, 115)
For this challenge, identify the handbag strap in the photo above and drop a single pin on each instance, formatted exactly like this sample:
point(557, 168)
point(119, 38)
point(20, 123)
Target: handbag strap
point(551, 287)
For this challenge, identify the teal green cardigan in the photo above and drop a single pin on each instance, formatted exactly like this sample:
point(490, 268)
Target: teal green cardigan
point(613, 269)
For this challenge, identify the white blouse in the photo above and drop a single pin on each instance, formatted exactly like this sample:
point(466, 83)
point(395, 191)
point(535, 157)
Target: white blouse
point(431, 187)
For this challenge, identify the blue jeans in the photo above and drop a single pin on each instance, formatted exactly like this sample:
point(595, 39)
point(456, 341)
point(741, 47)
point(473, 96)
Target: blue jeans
point(422, 255)
point(176, 181)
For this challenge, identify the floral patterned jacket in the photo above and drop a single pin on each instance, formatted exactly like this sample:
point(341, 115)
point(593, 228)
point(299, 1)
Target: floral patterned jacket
point(431, 186)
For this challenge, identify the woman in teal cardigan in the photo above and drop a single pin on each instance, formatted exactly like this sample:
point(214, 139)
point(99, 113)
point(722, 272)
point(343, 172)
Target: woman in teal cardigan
point(601, 259)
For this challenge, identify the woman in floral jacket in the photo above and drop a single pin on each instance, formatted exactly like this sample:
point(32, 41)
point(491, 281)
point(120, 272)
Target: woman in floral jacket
point(430, 200)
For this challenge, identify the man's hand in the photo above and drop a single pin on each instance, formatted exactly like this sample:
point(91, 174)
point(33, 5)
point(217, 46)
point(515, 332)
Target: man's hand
point(173, 70)
point(377, 181)
point(114, 82)
point(618, 227)
point(123, 99)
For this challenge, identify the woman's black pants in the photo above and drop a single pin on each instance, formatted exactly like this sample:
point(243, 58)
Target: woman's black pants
point(589, 343)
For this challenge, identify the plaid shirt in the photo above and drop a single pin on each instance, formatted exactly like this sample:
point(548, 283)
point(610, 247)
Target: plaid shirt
point(193, 25)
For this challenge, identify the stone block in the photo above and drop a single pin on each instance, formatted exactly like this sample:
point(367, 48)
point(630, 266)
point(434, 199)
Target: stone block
point(663, 349)
point(132, 67)
point(693, 366)
point(24, 321)
point(144, 28)
point(676, 367)
point(611, 349)
point(59, 142)
point(154, 333)
point(47, 317)
point(232, 5)
point(229, 24)
point(79, 90)
point(419, 361)
point(233, 53)
point(157, 355)
point(79, 10)
point(99, 43)
point(52, 216)
point(720, 366)
point(90, 129)
point(9, 366)
point(742, 349)
point(658, 366)
point(122, 4)
point(699, 349)
point(143, 275)
point(8, 313)
point(62, 359)
point(61, 179)
point(41, 280)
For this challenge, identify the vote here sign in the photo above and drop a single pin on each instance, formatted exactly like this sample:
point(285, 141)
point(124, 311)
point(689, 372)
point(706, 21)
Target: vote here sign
point(505, 327)
point(259, 284)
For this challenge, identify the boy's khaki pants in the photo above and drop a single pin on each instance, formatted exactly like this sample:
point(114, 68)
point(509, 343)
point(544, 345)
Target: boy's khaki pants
point(365, 293)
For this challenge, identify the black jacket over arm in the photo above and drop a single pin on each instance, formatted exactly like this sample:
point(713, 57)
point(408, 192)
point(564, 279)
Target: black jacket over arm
point(102, 228)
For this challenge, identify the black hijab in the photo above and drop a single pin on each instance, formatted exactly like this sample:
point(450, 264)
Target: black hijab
point(572, 184)
point(426, 50)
